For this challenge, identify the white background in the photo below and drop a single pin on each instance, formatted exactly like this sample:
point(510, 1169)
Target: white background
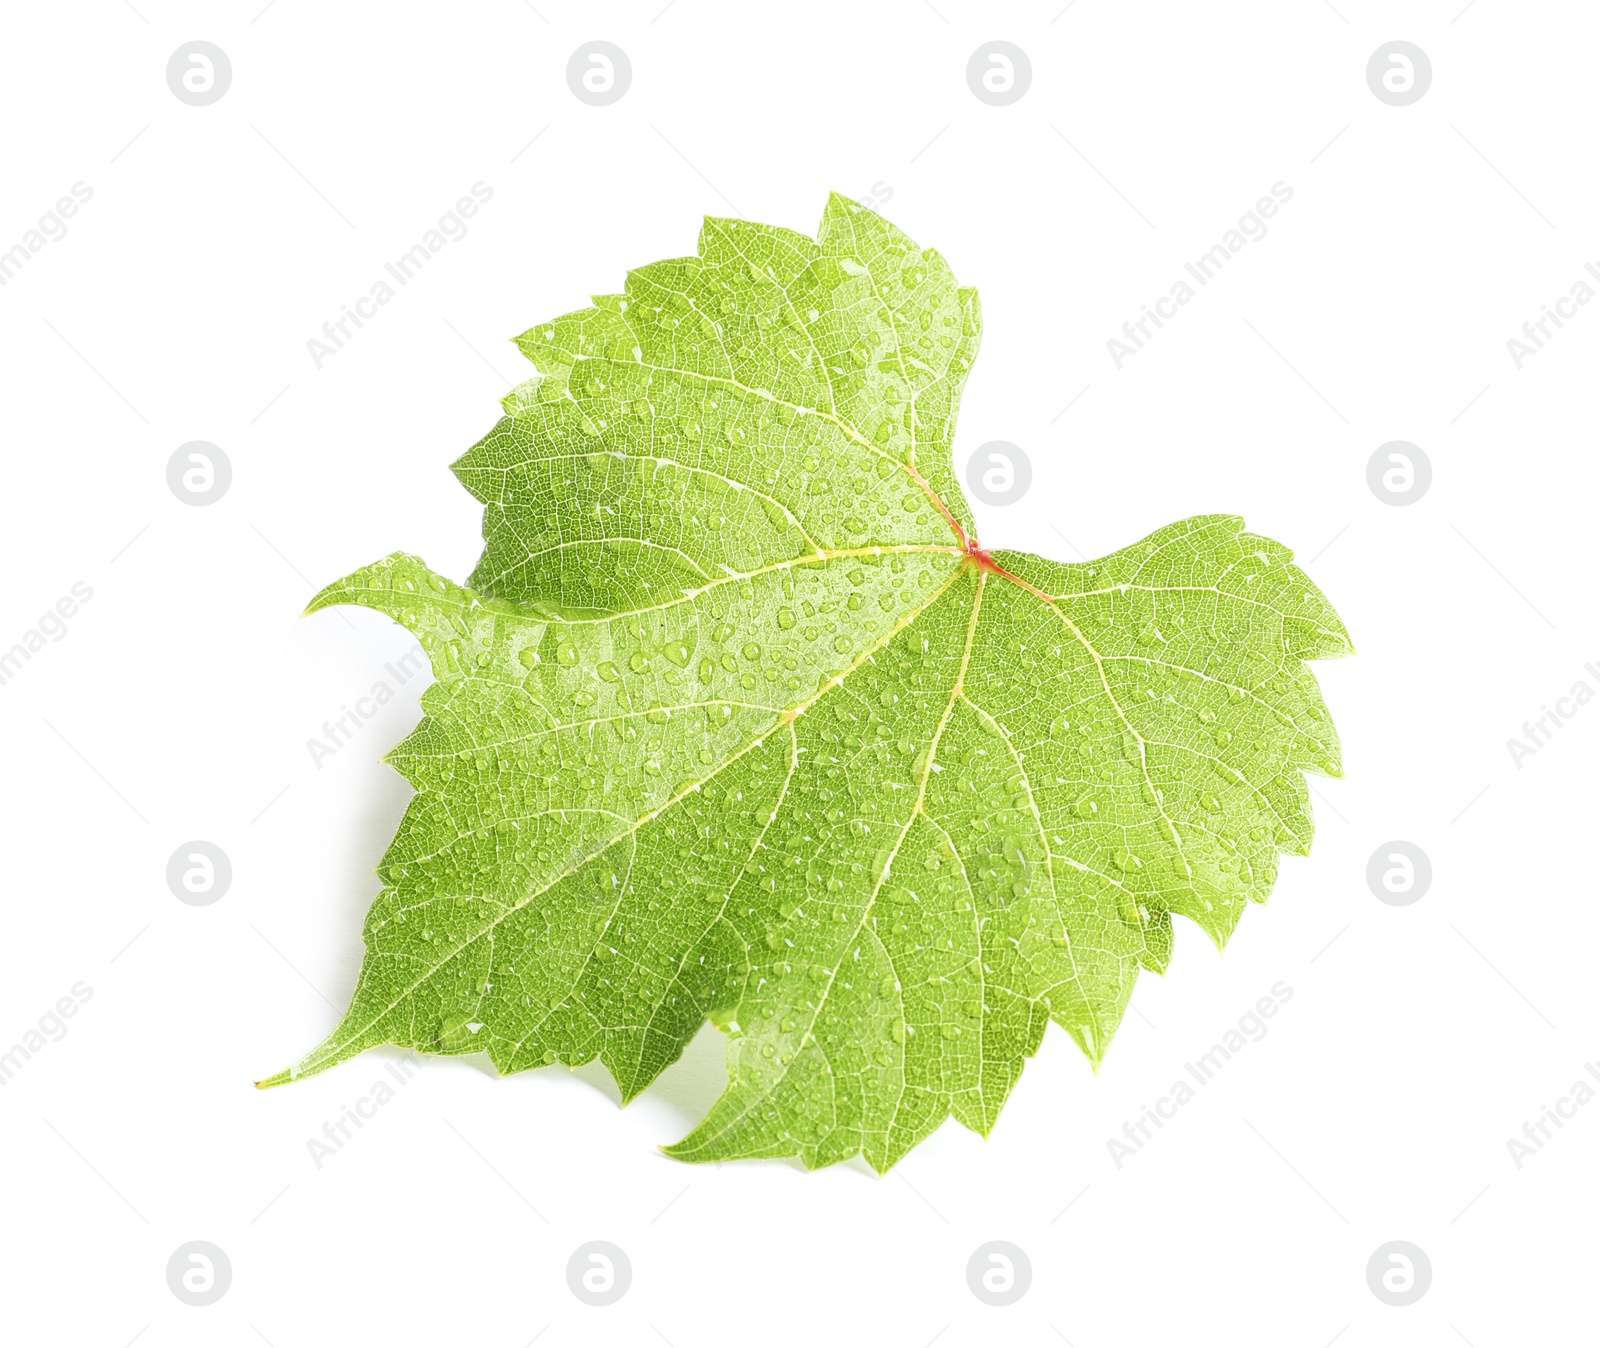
point(179, 702)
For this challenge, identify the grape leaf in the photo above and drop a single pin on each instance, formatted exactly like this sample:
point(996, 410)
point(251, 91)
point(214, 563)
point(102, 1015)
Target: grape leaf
point(737, 720)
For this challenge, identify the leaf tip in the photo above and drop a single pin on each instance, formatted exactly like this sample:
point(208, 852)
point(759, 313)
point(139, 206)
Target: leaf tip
point(317, 602)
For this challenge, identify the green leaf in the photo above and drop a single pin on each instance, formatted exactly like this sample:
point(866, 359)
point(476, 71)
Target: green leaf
point(736, 720)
